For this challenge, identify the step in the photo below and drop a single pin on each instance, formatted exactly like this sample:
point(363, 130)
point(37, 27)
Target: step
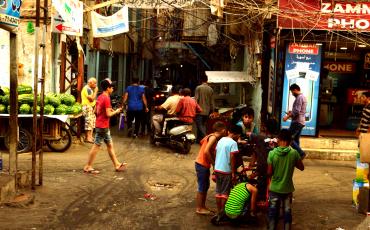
point(329, 143)
point(330, 154)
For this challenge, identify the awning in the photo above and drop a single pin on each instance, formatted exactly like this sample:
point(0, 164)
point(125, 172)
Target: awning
point(228, 77)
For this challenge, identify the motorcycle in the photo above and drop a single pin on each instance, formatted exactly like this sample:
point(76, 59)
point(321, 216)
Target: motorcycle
point(177, 135)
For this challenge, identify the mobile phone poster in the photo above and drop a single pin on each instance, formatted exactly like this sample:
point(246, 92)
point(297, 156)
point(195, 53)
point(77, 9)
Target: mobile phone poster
point(302, 67)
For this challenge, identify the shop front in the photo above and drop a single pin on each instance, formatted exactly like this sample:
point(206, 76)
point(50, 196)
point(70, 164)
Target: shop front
point(329, 58)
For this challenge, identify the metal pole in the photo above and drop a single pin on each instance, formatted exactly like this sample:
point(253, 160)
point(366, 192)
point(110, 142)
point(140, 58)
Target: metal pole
point(35, 81)
point(42, 81)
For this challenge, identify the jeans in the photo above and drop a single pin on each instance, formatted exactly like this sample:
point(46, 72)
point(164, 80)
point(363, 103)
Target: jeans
point(138, 116)
point(275, 202)
point(200, 121)
point(296, 130)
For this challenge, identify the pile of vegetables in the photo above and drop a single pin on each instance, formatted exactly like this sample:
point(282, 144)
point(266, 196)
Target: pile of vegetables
point(57, 104)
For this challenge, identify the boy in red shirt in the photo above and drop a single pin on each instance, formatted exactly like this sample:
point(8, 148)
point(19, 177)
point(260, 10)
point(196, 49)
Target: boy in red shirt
point(103, 113)
point(187, 107)
point(206, 157)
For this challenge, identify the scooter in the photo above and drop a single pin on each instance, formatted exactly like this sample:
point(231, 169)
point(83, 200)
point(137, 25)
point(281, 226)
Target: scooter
point(177, 135)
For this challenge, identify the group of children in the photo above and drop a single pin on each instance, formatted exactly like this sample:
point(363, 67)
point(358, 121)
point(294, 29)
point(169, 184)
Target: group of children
point(220, 150)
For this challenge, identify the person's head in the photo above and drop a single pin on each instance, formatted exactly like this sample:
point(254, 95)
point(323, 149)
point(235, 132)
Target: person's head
point(175, 90)
point(204, 78)
point(135, 80)
point(367, 95)
point(219, 128)
point(247, 116)
point(92, 82)
point(235, 131)
point(107, 85)
point(186, 92)
point(295, 89)
point(284, 138)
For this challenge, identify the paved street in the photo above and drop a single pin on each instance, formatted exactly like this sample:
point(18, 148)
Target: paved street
point(71, 199)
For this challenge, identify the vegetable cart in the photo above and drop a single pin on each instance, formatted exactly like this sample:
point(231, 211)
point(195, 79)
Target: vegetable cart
point(56, 133)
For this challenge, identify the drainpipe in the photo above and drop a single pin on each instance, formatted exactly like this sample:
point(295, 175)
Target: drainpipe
point(198, 55)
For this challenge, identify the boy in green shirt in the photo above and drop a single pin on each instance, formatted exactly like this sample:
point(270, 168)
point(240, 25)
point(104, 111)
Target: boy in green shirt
point(281, 162)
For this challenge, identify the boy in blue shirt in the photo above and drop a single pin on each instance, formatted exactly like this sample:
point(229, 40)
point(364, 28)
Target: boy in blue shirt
point(225, 168)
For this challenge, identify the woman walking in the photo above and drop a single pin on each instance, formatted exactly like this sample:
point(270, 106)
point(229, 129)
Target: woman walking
point(134, 99)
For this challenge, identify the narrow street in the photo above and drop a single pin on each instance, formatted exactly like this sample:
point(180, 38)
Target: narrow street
point(70, 199)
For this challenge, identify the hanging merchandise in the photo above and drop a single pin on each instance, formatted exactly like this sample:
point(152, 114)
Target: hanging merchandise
point(108, 26)
point(30, 28)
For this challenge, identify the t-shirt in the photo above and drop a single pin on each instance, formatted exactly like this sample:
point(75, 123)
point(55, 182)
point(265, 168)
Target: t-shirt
point(239, 195)
point(299, 109)
point(171, 104)
point(135, 101)
point(186, 109)
point(224, 148)
point(86, 91)
point(202, 158)
point(283, 161)
point(203, 96)
point(365, 119)
point(102, 103)
point(252, 128)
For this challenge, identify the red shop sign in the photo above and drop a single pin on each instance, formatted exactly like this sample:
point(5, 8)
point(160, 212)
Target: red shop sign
point(340, 67)
point(324, 15)
point(303, 48)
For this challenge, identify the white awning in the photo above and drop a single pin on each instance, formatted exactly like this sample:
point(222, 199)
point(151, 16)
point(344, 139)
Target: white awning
point(228, 77)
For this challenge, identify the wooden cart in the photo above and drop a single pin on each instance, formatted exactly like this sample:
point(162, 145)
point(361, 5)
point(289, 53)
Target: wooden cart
point(56, 133)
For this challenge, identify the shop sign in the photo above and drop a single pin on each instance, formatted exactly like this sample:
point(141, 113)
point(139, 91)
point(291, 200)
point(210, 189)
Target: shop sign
point(324, 15)
point(302, 67)
point(340, 67)
point(108, 26)
point(356, 96)
point(67, 17)
point(9, 12)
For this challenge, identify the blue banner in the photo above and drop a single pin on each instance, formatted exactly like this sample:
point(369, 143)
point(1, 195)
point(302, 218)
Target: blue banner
point(302, 67)
point(10, 12)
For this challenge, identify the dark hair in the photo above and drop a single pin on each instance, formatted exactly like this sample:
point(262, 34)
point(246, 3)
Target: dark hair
point(203, 78)
point(294, 87)
point(175, 89)
point(186, 92)
point(248, 111)
point(236, 129)
point(366, 94)
point(218, 126)
point(106, 83)
point(285, 135)
point(135, 80)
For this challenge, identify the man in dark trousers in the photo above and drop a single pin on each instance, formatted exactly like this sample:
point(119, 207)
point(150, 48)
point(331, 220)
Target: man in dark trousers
point(204, 98)
point(298, 117)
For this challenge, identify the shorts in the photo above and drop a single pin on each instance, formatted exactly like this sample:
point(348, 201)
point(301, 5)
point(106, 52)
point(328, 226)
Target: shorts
point(203, 174)
point(89, 115)
point(102, 135)
point(223, 185)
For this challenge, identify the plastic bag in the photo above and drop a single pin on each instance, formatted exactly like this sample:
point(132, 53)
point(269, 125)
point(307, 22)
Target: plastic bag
point(121, 124)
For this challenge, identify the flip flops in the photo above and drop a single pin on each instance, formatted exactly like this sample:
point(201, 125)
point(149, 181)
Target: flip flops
point(91, 171)
point(121, 168)
point(204, 212)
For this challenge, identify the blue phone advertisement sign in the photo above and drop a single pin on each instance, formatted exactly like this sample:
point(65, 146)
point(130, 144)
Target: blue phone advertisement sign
point(302, 67)
point(10, 12)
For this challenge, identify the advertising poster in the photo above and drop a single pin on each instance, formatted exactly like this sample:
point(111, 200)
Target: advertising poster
point(67, 17)
point(108, 26)
point(302, 67)
point(9, 12)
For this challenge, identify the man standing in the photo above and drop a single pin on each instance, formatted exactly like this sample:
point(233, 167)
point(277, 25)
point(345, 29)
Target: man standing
point(88, 101)
point(298, 117)
point(104, 111)
point(187, 107)
point(204, 98)
point(364, 126)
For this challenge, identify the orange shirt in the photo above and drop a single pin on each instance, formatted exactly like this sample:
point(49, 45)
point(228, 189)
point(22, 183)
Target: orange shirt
point(202, 158)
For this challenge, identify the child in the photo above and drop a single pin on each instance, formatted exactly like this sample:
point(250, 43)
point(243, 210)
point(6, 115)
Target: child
point(206, 157)
point(280, 167)
point(225, 168)
point(247, 123)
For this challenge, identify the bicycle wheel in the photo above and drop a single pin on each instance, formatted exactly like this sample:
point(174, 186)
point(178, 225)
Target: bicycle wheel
point(24, 143)
point(63, 143)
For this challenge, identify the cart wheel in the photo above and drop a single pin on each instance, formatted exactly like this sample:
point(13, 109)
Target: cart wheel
point(25, 141)
point(63, 144)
